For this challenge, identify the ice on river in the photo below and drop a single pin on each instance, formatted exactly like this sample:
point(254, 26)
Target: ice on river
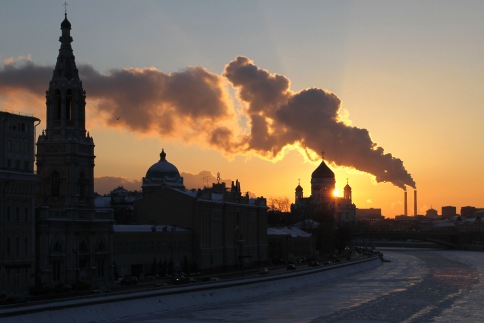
point(417, 285)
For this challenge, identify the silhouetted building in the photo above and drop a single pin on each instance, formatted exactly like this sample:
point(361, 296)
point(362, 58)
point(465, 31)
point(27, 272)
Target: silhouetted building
point(431, 213)
point(368, 214)
point(229, 228)
point(145, 250)
point(74, 242)
point(18, 185)
point(322, 202)
point(448, 212)
point(122, 202)
point(288, 244)
point(336, 215)
point(162, 174)
point(466, 211)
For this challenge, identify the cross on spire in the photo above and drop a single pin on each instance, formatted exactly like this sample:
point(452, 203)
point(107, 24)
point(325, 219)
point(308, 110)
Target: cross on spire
point(322, 154)
point(65, 8)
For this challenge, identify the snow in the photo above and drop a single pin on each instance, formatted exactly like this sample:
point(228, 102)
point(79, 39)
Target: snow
point(151, 302)
point(292, 231)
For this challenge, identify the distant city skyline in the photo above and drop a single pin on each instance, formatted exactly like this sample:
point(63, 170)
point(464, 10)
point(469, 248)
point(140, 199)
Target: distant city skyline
point(221, 87)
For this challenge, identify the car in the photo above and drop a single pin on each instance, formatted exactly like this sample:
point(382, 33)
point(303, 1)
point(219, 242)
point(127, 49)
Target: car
point(313, 263)
point(264, 271)
point(291, 267)
point(129, 280)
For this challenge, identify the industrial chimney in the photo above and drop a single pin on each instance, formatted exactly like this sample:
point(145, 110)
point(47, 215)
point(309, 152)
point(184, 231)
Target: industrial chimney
point(415, 202)
point(405, 203)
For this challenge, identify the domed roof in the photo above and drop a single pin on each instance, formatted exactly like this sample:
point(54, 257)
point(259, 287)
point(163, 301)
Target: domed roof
point(299, 188)
point(162, 168)
point(323, 171)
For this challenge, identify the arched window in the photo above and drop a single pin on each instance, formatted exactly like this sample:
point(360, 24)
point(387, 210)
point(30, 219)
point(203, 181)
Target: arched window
point(55, 184)
point(68, 104)
point(58, 104)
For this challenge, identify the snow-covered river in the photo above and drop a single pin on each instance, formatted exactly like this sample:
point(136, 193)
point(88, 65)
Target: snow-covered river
point(415, 286)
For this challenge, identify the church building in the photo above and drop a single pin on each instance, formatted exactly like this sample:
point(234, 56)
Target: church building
point(322, 202)
point(74, 241)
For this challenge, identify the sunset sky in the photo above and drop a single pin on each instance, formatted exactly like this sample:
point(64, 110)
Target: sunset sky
point(391, 91)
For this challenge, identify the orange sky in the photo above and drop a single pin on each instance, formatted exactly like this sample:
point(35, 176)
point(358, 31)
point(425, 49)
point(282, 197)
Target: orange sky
point(409, 74)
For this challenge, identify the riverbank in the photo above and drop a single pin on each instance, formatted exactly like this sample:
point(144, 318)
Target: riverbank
point(122, 306)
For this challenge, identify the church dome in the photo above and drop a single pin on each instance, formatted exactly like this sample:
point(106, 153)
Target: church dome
point(323, 171)
point(162, 169)
point(299, 188)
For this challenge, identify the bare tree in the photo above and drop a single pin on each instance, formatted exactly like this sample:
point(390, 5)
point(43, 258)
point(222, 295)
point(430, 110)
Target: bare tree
point(280, 203)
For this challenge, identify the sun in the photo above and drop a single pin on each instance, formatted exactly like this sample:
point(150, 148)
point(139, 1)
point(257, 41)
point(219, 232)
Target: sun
point(336, 193)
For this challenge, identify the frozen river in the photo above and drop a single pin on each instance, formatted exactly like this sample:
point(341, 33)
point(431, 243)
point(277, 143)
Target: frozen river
point(415, 286)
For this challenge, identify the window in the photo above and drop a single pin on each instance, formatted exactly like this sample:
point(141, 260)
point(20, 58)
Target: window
point(68, 104)
point(58, 104)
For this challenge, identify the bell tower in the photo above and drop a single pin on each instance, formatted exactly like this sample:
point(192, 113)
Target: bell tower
point(72, 237)
point(65, 151)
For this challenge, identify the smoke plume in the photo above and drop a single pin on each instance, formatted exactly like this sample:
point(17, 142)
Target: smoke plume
point(194, 104)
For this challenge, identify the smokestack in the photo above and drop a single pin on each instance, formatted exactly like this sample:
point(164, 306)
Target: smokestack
point(405, 203)
point(415, 202)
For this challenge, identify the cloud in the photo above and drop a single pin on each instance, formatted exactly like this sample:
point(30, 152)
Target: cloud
point(105, 184)
point(279, 117)
point(194, 104)
point(203, 179)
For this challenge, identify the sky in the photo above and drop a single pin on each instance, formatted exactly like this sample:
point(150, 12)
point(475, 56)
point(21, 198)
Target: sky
point(390, 91)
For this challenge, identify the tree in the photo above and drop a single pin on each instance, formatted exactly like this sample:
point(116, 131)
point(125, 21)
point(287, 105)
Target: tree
point(280, 204)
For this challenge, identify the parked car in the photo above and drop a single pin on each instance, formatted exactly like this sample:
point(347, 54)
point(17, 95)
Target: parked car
point(129, 280)
point(313, 263)
point(264, 271)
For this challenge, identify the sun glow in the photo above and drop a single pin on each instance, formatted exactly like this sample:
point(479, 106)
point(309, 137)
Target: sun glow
point(336, 193)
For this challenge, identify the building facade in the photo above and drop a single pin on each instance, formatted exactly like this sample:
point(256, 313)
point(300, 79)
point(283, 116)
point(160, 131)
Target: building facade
point(229, 228)
point(18, 184)
point(149, 250)
point(74, 242)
